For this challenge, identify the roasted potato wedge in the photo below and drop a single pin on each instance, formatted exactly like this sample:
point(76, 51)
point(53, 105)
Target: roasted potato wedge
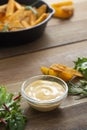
point(61, 71)
point(18, 16)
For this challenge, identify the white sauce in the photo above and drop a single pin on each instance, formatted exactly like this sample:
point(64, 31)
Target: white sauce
point(44, 90)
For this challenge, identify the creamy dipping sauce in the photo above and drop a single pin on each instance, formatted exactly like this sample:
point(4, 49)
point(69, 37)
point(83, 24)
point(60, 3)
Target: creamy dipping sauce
point(44, 90)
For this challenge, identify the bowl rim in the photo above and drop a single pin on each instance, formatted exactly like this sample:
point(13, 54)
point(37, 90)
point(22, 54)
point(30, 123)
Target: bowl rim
point(41, 23)
point(46, 102)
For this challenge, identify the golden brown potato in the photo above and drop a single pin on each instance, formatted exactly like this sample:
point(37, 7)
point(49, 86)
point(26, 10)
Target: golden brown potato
point(25, 24)
point(64, 72)
point(15, 26)
point(63, 68)
point(19, 16)
point(41, 18)
point(32, 19)
point(63, 9)
point(3, 8)
point(62, 3)
point(17, 5)
point(42, 9)
point(10, 8)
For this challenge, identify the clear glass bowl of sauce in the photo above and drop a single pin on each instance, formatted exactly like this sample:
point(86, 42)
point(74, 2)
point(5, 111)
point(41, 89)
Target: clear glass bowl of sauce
point(44, 92)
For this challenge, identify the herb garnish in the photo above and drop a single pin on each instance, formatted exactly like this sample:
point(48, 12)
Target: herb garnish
point(5, 28)
point(31, 8)
point(81, 65)
point(79, 88)
point(11, 115)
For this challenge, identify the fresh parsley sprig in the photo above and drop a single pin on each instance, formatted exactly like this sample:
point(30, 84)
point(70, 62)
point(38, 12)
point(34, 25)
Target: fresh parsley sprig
point(79, 88)
point(5, 28)
point(11, 116)
point(81, 65)
point(30, 7)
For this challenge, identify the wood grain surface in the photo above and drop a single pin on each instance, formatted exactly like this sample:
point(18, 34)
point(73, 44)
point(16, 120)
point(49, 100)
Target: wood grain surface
point(57, 33)
point(21, 62)
point(18, 68)
point(72, 118)
point(71, 115)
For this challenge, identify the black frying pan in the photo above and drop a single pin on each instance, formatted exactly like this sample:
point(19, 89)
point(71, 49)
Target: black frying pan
point(25, 35)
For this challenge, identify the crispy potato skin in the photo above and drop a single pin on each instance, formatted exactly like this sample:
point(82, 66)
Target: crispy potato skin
point(63, 9)
point(64, 72)
point(17, 16)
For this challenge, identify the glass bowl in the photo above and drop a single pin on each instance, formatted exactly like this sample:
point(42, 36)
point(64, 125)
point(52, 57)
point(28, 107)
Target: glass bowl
point(44, 105)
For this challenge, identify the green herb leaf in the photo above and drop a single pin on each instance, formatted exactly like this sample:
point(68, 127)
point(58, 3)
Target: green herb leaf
point(78, 88)
point(10, 112)
point(31, 8)
point(5, 28)
point(81, 65)
point(2, 95)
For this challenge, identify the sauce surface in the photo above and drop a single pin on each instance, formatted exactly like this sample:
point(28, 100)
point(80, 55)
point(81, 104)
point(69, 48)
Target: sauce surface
point(44, 90)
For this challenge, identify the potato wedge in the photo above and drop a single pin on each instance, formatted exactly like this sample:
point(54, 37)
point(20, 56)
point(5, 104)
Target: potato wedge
point(3, 8)
point(17, 5)
point(25, 24)
point(65, 69)
point(61, 71)
point(41, 18)
point(18, 16)
point(62, 3)
point(42, 9)
point(10, 8)
point(63, 9)
point(15, 26)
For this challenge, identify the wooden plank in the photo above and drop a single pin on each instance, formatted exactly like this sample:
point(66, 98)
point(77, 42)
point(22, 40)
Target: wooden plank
point(13, 71)
point(57, 33)
point(68, 102)
point(72, 118)
point(19, 68)
point(66, 33)
point(79, 14)
point(72, 114)
point(69, 116)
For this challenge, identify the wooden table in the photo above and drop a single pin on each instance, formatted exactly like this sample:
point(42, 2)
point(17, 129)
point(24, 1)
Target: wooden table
point(16, 67)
